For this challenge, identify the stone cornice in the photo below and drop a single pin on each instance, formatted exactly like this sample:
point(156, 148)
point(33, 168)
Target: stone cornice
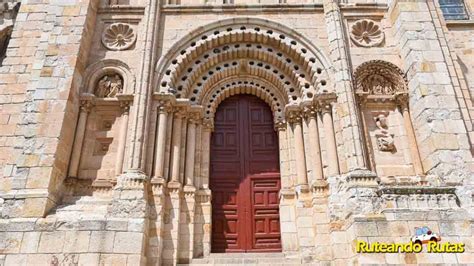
point(227, 8)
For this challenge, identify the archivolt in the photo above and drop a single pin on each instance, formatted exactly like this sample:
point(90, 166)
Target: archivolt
point(246, 85)
point(195, 60)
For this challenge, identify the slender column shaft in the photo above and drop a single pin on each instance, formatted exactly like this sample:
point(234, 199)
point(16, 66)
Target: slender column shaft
point(302, 178)
point(206, 146)
point(122, 140)
point(176, 147)
point(169, 134)
point(333, 168)
point(160, 142)
point(78, 141)
point(412, 142)
point(284, 160)
point(190, 152)
point(315, 147)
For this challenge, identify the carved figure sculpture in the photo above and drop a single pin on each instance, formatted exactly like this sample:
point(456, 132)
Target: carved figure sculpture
point(109, 86)
point(385, 141)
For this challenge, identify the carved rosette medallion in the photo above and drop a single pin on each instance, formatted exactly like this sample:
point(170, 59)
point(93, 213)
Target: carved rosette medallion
point(119, 36)
point(366, 33)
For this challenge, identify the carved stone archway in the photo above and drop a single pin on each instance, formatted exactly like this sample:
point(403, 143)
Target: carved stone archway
point(238, 56)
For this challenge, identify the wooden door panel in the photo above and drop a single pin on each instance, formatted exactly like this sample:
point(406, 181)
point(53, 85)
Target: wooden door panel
point(244, 177)
point(265, 211)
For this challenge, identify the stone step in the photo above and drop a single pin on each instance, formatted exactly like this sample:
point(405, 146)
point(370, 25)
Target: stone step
point(79, 207)
point(246, 259)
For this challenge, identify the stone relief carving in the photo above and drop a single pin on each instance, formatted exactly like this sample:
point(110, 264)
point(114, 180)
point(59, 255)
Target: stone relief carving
point(366, 33)
point(378, 84)
point(385, 141)
point(109, 86)
point(379, 78)
point(118, 37)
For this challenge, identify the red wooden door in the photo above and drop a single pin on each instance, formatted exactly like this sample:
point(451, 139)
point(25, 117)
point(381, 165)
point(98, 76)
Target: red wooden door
point(245, 177)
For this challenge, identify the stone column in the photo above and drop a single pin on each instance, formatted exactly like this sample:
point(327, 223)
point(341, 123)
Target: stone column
point(79, 138)
point(411, 139)
point(302, 178)
point(206, 152)
point(190, 153)
point(161, 140)
point(316, 160)
point(176, 147)
point(333, 163)
point(283, 149)
point(122, 137)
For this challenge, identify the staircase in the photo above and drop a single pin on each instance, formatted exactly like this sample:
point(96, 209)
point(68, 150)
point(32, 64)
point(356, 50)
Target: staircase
point(246, 259)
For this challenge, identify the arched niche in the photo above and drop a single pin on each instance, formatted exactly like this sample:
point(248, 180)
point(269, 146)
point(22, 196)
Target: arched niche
point(102, 128)
point(95, 72)
point(381, 89)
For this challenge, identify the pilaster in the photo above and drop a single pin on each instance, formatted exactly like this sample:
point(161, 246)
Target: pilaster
point(348, 113)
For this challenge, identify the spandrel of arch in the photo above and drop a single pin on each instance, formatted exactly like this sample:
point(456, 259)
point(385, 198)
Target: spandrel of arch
point(380, 79)
point(251, 47)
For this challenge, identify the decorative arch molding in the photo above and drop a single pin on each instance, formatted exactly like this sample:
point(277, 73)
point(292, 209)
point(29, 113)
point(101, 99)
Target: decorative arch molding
point(235, 39)
point(97, 70)
point(252, 69)
point(246, 85)
point(380, 80)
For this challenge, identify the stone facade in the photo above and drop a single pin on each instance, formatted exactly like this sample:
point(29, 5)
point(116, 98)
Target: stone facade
point(107, 110)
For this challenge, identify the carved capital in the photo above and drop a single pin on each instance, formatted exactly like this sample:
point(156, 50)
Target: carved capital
point(326, 101)
point(310, 111)
point(164, 107)
point(293, 114)
point(208, 123)
point(86, 106)
point(402, 100)
point(280, 125)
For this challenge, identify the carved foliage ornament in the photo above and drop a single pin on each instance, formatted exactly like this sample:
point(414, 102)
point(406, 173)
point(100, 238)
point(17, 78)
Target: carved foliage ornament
point(109, 86)
point(118, 36)
point(366, 33)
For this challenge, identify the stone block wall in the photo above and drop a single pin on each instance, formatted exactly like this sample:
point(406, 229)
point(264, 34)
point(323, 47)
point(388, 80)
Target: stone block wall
point(144, 221)
point(43, 66)
point(49, 241)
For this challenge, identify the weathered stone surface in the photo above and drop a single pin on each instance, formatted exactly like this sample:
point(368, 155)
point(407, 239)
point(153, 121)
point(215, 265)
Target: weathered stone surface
point(103, 102)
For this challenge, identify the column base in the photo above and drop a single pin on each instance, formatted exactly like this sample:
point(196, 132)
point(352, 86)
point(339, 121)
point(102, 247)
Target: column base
point(320, 188)
point(362, 178)
point(130, 199)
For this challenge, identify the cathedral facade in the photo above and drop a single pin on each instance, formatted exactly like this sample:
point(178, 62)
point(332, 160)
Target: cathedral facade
point(164, 132)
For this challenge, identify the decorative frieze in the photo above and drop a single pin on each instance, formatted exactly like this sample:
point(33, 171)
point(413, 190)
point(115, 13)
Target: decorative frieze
point(418, 198)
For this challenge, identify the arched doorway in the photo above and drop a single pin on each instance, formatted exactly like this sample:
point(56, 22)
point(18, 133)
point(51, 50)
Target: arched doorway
point(245, 177)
